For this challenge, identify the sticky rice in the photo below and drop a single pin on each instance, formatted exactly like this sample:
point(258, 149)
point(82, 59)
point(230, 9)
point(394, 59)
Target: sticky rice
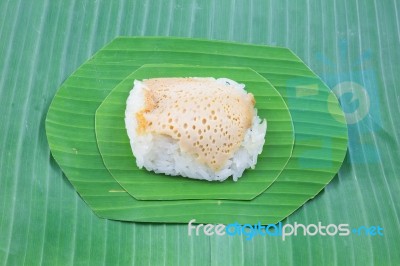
point(202, 128)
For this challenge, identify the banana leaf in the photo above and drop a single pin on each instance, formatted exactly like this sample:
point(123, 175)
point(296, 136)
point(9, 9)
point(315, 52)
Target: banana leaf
point(115, 150)
point(320, 132)
point(43, 221)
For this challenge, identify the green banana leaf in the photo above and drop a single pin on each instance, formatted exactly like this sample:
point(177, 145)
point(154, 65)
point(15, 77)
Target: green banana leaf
point(320, 132)
point(43, 221)
point(115, 149)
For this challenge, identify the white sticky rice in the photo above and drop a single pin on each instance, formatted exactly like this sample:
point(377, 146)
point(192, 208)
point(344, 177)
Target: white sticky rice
point(162, 154)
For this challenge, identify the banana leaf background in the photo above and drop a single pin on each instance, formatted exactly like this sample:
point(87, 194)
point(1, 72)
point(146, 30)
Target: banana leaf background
point(349, 44)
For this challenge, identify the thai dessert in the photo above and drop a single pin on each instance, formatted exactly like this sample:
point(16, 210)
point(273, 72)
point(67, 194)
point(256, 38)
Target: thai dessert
point(202, 128)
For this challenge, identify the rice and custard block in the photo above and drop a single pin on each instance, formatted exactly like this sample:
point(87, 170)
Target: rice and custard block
point(202, 128)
